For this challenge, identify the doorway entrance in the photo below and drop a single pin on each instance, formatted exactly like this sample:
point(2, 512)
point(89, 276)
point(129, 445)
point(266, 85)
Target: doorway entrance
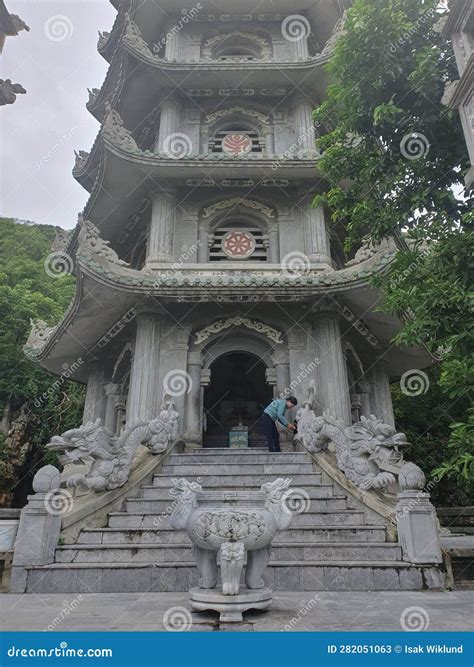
point(238, 392)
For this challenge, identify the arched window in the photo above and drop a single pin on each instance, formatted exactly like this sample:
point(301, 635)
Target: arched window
point(235, 139)
point(237, 45)
point(238, 240)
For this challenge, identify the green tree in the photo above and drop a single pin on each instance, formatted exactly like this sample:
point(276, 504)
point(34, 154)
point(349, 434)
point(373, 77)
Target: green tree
point(28, 292)
point(394, 157)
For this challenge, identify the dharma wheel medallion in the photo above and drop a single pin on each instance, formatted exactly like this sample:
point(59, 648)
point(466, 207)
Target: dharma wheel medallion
point(238, 244)
point(237, 144)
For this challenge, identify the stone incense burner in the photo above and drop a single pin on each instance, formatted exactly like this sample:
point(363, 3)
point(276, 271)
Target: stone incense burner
point(234, 526)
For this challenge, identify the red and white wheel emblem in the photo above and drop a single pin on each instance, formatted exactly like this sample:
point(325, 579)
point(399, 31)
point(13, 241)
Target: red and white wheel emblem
point(238, 245)
point(237, 144)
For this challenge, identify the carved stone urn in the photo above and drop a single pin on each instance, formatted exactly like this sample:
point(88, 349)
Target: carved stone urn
point(232, 526)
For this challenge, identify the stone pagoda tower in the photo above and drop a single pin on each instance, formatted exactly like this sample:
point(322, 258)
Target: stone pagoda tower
point(207, 284)
point(203, 271)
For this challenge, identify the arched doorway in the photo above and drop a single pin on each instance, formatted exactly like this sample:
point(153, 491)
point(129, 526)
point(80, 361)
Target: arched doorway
point(238, 392)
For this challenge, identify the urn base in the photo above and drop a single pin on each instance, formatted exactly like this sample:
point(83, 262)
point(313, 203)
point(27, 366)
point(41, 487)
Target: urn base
point(230, 607)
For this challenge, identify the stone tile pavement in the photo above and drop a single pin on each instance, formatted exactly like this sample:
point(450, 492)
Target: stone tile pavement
point(321, 611)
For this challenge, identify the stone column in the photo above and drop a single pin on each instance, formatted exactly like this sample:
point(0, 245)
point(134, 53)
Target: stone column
point(169, 122)
point(269, 141)
point(205, 238)
point(304, 126)
point(332, 391)
point(381, 398)
point(301, 48)
point(364, 393)
point(112, 391)
point(193, 399)
point(172, 45)
point(281, 364)
point(317, 242)
point(273, 244)
point(142, 402)
point(163, 217)
point(94, 405)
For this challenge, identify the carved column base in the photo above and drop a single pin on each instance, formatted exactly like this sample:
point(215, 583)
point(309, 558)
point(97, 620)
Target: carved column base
point(230, 607)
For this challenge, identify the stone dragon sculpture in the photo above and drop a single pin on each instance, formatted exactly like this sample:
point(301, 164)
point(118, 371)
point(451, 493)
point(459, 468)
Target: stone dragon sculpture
point(112, 456)
point(369, 453)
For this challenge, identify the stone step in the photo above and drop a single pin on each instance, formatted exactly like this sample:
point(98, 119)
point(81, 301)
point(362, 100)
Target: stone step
point(175, 552)
point(164, 504)
point(212, 468)
point(179, 459)
point(346, 517)
point(163, 491)
point(281, 576)
point(229, 481)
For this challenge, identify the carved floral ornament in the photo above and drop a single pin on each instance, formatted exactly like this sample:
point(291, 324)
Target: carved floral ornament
point(255, 325)
point(233, 203)
point(261, 42)
point(216, 115)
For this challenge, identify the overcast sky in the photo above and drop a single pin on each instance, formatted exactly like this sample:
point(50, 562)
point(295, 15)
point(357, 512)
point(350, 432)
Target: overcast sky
point(56, 62)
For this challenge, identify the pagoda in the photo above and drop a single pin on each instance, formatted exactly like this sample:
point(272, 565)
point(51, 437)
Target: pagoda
point(207, 285)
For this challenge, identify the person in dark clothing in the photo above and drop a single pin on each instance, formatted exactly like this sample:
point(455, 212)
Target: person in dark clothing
point(274, 412)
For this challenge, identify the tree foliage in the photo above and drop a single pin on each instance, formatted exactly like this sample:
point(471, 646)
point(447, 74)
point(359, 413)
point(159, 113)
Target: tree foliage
point(28, 292)
point(394, 157)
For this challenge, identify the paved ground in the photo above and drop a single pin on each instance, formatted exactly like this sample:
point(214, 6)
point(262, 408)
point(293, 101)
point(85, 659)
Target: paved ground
point(322, 611)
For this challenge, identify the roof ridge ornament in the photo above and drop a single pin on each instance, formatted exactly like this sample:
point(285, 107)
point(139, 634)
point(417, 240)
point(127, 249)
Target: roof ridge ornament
point(114, 130)
point(92, 245)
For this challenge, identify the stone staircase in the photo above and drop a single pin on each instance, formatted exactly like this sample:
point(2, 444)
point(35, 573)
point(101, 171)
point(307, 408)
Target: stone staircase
point(331, 546)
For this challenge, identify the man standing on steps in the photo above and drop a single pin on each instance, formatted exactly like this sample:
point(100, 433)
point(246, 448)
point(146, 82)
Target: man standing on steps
point(275, 411)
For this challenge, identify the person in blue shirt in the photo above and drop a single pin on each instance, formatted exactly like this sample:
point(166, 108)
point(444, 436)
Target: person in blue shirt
point(274, 412)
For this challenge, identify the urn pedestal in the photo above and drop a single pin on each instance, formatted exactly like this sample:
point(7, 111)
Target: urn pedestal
point(230, 530)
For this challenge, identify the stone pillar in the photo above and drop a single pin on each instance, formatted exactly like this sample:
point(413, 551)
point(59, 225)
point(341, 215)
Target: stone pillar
point(40, 525)
point(269, 141)
point(273, 244)
point(317, 242)
point(301, 48)
point(193, 399)
point(94, 405)
point(332, 391)
point(381, 398)
point(205, 239)
point(364, 393)
point(304, 126)
point(160, 239)
point(172, 45)
point(142, 402)
point(112, 391)
point(417, 529)
point(355, 407)
point(169, 122)
point(281, 364)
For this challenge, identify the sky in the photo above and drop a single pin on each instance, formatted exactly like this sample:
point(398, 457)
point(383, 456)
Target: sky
point(55, 62)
